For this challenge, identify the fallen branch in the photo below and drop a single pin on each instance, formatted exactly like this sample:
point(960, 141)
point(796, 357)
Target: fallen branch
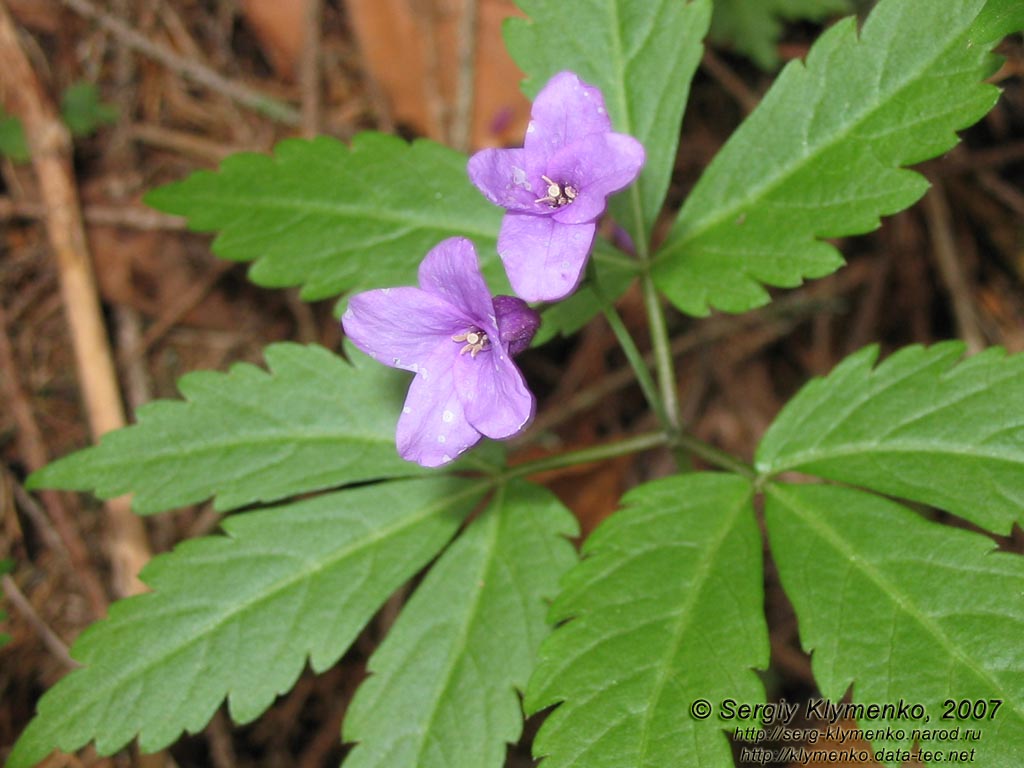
point(50, 145)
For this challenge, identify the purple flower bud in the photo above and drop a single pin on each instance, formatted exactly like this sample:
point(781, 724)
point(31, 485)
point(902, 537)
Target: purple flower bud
point(555, 188)
point(517, 323)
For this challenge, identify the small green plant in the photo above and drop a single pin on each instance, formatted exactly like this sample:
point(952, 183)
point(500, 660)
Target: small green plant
point(646, 649)
point(81, 110)
point(12, 139)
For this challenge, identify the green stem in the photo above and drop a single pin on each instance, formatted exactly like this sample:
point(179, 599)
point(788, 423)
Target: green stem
point(636, 444)
point(662, 351)
point(629, 348)
point(712, 455)
point(655, 316)
point(585, 455)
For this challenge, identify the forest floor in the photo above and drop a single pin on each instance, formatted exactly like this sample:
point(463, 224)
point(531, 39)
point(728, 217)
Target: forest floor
point(950, 267)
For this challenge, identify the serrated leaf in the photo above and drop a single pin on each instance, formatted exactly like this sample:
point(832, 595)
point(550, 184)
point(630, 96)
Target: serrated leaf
point(442, 692)
point(642, 57)
point(903, 609)
point(821, 156)
point(312, 421)
point(333, 218)
point(920, 426)
point(238, 615)
point(753, 27)
point(82, 110)
point(665, 608)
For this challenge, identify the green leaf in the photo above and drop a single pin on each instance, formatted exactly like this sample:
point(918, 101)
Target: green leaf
point(442, 692)
point(333, 218)
point(903, 610)
point(312, 422)
point(642, 57)
point(238, 615)
point(12, 139)
point(919, 426)
point(821, 156)
point(82, 110)
point(666, 608)
point(753, 27)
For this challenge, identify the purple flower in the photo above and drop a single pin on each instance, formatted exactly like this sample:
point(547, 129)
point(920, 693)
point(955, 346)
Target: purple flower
point(555, 187)
point(459, 342)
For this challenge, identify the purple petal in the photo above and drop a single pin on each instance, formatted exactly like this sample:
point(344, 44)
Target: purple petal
point(544, 258)
point(493, 393)
point(433, 428)
point(565, 111)
point(597, 166)
point(504, 176)
point(401, 327)
point(451, 271)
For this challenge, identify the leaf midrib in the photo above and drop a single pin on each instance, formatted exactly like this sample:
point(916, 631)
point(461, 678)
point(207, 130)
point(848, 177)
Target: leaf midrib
point(770, 182)
point(459, 645)
point(423, 220)
point(130, 671)
point(898, 598)
point(683, 623)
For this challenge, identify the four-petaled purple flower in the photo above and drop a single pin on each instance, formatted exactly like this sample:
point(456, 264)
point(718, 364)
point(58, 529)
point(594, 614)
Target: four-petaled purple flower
point(459, 341)
point(555, 188)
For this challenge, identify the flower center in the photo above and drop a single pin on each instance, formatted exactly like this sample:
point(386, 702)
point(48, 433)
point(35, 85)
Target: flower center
point(558, 195)
point(476, 341)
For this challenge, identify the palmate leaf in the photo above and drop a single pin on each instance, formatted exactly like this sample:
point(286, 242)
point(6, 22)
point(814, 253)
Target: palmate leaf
point(313, 421)
point(442, 693)
point(641, 55)
point(902, 608)
point(753, 27)
point(822, 154)
point(238, 615)
point(665, 608)
point(333, 218)
point(919, 426)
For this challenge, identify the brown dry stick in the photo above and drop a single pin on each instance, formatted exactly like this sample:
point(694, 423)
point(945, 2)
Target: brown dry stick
point(50, 145)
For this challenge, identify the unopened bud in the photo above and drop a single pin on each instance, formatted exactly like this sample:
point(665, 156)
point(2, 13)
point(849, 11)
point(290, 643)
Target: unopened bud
point(517, 323)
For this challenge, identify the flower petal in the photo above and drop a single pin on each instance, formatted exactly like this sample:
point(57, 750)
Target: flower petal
point(597, 166)
point(565, 110)
point(451, 272)
point(504, 176)
point(433, 428)
point(401, 327)
point(544, 258)
point(493, 393)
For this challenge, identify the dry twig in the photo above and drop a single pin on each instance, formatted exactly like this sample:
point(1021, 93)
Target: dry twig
point(309, 70)
point(461, 129)
point(730, 81)
point(951, 270)
point(50, 146)
point(129, 217)
point(54, 644)
point(33, 453)
point(241, 94)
